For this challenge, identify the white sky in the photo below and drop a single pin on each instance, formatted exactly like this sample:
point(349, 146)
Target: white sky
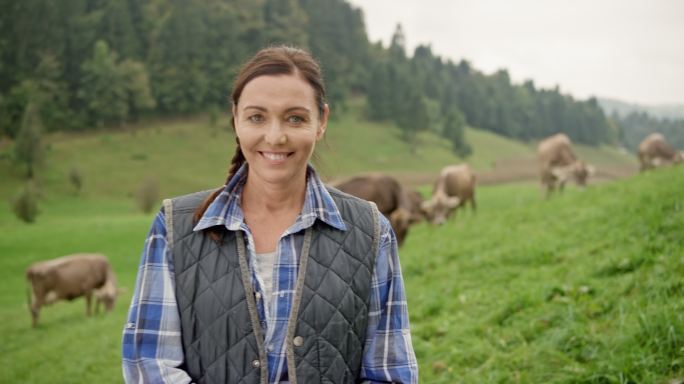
point(632, 50)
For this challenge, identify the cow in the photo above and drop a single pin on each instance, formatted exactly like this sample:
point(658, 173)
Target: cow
point(69, 277)
point(454, 187)
point(416, 200)
point(654, 151)
point(387, 194)
point(558, 163)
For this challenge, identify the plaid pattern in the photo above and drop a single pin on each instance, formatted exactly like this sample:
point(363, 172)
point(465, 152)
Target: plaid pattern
point(152, 350)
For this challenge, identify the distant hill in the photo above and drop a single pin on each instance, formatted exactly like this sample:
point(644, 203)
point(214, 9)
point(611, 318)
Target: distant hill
point(661, 111)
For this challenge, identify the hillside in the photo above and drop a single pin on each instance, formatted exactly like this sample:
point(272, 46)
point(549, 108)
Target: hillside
point(585, 287)
point(185, 155)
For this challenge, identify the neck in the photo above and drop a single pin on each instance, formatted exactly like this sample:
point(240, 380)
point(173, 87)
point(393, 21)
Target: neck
point(270, 198)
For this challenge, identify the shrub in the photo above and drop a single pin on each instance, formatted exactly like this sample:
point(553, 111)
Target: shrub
point(25, 205)
point(76, 179)
point(148, 194)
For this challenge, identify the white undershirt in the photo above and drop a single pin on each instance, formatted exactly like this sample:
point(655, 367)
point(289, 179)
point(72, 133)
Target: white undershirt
point(264, 272)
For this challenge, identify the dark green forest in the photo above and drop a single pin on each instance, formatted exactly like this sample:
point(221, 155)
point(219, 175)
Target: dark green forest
point(637, 125)
point(84, 64)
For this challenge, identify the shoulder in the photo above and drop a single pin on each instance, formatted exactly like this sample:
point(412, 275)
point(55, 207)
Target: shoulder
point(188, 202)
point(345, 198)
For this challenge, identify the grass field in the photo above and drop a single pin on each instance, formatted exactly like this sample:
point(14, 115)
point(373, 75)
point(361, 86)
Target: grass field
point(583, 288)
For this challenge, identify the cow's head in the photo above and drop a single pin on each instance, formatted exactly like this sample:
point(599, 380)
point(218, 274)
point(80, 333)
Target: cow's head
point(107, 295)
point(581, 172)
point(400, 220)
point(679, 157)
point(438, 209)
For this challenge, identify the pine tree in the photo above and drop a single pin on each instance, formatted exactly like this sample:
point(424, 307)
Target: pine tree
point(29, 150)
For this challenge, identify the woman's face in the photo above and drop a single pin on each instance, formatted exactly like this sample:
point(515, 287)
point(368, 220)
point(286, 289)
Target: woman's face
point(278, 123)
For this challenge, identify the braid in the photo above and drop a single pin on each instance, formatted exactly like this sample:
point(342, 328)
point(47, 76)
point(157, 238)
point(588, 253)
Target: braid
point(235, 164)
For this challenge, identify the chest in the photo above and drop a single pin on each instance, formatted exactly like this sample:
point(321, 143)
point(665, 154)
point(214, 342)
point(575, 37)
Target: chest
point(267, 229)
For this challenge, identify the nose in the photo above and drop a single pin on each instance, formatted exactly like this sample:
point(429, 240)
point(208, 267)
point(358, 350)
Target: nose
point(275, 134)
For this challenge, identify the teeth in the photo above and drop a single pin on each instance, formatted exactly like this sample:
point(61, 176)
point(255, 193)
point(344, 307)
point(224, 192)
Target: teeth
point(275, 156)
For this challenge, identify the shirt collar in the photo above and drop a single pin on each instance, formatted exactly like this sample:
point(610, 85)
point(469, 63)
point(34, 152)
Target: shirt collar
point(225, 209)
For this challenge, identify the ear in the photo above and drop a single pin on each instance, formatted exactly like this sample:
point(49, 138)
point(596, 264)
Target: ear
point(400, 216)
point(453, 202)
point(323, 122)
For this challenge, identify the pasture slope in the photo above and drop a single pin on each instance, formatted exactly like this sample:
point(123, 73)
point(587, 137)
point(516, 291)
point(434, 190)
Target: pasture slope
point(583, 288)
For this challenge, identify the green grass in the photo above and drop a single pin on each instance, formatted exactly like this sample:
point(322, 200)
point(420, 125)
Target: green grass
point(581, 288)
point(584, 288)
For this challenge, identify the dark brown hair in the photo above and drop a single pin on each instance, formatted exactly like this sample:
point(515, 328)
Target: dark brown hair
point(278, 60)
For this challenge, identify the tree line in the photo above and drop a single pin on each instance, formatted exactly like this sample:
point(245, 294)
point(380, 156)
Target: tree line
point(84, 64)
point(637, 125)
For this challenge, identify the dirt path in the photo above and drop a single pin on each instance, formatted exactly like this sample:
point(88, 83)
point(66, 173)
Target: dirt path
point(514, 170)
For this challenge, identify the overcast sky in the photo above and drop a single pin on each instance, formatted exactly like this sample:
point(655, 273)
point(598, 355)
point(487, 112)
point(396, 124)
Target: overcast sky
point(632, 50)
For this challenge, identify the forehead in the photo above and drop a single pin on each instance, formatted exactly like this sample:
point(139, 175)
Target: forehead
point(277, 90)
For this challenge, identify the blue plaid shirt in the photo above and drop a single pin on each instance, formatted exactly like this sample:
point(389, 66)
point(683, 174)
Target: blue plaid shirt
point(152, 350)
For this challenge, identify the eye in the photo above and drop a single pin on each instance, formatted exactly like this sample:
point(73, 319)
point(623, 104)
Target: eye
point(256, 118)
point(295, 119)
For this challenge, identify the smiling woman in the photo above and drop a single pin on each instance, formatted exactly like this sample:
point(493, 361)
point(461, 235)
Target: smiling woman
point(274, 277)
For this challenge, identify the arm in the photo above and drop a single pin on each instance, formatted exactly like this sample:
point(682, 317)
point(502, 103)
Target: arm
point(388, 354)
point(152, 350)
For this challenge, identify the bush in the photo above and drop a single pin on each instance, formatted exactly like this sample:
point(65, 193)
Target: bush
point(76, 179)
point(25, 205)
point(148, 194)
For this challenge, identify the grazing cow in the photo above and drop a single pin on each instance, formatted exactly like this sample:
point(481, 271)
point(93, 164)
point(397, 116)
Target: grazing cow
point(654, 151)
point(454, 187)
point(557, 163)
point(387, 194)
point(69, 277)
point(416, 200)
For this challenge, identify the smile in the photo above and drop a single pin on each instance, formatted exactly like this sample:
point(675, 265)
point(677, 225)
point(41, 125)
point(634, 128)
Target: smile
point(276, 156)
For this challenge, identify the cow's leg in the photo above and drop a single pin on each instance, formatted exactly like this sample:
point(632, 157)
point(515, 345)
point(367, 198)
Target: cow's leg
point(549, 189)
point(36, 303)
point(89, 299)
point(473, 204)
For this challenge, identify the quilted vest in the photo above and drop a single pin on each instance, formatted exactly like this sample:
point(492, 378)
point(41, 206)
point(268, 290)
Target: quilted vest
point(221, 335)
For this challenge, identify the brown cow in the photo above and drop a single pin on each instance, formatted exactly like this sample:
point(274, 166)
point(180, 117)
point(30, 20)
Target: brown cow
point(69, 277)
point(557, 163)
point(654, 151)
point(387, 194)
point(454, 187)
point(416, 200)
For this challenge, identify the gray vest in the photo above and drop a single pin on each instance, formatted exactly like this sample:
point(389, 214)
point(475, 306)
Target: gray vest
point(221, 335)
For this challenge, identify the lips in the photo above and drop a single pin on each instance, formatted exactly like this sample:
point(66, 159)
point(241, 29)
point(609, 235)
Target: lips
point(276, 156)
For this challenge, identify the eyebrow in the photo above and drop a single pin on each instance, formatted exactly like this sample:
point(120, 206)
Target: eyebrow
point(291, 109)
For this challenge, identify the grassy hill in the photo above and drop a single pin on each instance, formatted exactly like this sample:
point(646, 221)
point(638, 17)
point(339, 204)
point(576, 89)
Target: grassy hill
point(185, 155)
point(582, 288)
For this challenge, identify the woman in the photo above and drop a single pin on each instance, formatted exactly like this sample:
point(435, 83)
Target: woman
point(272, 278)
